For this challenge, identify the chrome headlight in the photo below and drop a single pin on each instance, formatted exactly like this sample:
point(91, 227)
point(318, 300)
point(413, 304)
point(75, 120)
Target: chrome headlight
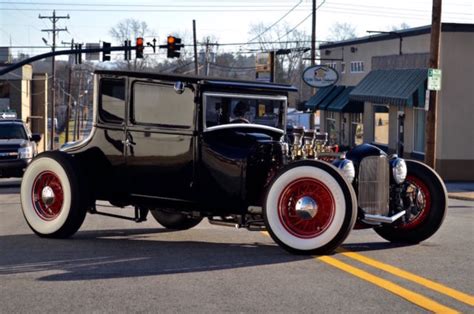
point(399, 170)
point(25, 152)
point(348, 169)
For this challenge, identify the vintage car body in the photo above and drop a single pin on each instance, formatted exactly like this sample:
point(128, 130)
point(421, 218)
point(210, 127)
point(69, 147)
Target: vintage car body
point(186, 148)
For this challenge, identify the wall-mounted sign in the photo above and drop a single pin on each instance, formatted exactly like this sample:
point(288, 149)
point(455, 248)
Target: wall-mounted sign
point(434, 79)
point(320, 76)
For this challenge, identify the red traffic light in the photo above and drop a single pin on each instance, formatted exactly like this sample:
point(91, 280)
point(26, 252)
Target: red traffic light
point(139, 48)
point(173, 45)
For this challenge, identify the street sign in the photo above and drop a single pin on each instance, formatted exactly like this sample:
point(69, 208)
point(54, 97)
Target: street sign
point(434, 79)
point(8, 115)
point(320, 76)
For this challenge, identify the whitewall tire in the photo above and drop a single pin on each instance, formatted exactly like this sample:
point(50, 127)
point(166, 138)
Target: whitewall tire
point(310, 208)
point(50, 196)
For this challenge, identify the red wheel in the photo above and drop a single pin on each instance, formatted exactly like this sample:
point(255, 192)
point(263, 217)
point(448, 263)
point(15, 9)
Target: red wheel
point(421, 195)
point(306, 208)
point(426, 204)
point(309, 208)
point(48, 195)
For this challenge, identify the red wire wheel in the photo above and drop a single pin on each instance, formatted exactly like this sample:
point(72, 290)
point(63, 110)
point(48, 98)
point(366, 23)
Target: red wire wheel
point(422, 201)
point(306, 208)
point(47, 195)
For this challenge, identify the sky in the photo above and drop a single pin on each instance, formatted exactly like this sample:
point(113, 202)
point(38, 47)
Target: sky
point(228, 21)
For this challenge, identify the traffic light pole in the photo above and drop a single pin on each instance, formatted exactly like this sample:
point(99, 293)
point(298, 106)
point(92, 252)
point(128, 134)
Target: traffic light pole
point(60, 53)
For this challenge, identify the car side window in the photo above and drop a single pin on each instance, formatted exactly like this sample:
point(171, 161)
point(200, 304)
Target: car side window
point(159, 104)
point(112, 100)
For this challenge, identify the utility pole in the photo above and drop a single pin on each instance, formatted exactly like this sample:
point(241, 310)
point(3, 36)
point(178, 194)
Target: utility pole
point(54, 19)
point(68, 109)
point(196, 65)
point(431, 121)
point(207, 65)
point(313, 35)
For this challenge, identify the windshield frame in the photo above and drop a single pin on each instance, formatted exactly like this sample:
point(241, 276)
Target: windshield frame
point(282, 112)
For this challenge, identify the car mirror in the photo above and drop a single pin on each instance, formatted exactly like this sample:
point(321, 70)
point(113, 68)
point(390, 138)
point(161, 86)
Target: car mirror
point(36, 137)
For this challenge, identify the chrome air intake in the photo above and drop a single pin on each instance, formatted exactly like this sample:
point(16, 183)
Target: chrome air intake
point(374, 184)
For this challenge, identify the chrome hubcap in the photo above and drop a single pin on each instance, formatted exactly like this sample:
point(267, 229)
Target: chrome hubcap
point(306, 208)
point(47, 195)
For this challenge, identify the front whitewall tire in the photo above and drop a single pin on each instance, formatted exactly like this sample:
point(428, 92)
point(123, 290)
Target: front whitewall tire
point(343, 208)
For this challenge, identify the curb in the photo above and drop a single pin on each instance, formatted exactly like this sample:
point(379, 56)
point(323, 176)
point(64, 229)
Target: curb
point(460, 197)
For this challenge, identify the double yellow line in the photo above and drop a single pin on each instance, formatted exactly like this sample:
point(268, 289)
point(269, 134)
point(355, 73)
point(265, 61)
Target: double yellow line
point(413, 297)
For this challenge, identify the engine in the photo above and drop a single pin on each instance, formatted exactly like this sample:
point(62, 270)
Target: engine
point(375, 176)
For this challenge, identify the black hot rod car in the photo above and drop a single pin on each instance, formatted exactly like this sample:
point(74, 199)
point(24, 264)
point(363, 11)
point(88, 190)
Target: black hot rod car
point(186, 148)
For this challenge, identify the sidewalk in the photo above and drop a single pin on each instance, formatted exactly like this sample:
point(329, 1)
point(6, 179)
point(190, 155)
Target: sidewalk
point(460, 190)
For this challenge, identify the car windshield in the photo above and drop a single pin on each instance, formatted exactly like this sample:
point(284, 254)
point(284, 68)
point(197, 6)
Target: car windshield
point(12, 131)
point(264, 110)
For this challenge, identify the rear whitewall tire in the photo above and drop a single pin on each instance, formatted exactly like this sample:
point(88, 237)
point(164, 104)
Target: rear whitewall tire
point(343, 214)
point(70, 215)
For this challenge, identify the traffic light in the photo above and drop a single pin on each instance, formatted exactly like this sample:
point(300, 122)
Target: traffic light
point(105, 51)
point(173, 44)
point(139, 48)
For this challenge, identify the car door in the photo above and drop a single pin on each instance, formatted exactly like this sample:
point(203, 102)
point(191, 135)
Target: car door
point(160, 140)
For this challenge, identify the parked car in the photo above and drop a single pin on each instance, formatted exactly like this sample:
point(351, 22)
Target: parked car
point(187, 148)
point(17, 147)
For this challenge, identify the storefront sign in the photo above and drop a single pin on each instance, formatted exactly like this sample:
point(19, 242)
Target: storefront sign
point(434, 79)
point(320, 76)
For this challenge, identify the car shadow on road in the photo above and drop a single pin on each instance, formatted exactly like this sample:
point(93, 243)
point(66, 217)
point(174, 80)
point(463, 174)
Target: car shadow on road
point(129, 253)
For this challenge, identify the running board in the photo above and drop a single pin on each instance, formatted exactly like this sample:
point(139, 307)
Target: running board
point(140, 214)
point(383, 219)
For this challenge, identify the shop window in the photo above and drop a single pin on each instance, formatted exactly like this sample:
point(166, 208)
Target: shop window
point(381, 124)
point(331, 127)
point(357, 129)
point(332, 65)
point(419, 129)
point(357, 67)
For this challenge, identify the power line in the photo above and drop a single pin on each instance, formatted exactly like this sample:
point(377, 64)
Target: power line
point(281, 18)
point(54, 19)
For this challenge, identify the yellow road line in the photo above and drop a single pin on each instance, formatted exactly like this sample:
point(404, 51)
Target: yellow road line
point(458, 295)
point(408, 295)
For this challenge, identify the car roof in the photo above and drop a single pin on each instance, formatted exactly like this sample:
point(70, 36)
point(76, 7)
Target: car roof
point(208, 81)
point(17, 121)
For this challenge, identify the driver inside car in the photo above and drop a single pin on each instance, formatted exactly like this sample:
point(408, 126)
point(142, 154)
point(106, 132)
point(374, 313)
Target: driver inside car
point(240, 109)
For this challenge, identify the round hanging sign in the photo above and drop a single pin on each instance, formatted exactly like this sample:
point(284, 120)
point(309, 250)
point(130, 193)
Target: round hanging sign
point(320, 76)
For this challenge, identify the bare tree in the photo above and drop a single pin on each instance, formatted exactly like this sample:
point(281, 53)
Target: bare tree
point(399, 27)
point(342, 31)
point(130, 29)
point(290, 47)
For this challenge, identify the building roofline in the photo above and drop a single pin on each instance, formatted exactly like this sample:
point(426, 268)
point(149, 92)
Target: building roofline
point(445, 27)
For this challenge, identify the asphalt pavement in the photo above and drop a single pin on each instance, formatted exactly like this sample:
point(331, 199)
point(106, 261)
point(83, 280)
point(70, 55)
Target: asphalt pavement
point(115, 266)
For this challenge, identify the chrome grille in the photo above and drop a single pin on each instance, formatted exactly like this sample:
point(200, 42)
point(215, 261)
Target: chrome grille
point(374, 183)
point(8, 155)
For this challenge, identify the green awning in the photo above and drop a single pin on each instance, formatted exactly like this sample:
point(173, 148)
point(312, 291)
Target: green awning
point(342, 103)
point(317, 98)
point(394, 87)
point(330, 98)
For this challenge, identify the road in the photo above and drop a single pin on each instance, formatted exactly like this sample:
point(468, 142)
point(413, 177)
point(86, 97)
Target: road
point(115, 265)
